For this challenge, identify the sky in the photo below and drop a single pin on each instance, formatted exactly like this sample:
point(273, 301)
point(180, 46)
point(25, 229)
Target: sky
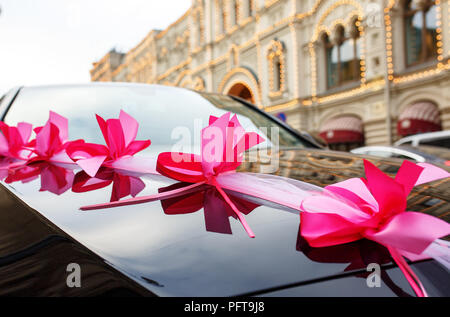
point(56, 41)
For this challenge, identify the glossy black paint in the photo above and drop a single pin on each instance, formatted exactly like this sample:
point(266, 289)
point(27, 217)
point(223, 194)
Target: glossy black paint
point(174, 255)
point(146, 250)
point(34, 255)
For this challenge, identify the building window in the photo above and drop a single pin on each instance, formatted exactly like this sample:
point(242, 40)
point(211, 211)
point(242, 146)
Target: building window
point(235, 12)
point(250, 4)
point(420, 31)
point(276, 61)
point(343, 56)
point(277, 74)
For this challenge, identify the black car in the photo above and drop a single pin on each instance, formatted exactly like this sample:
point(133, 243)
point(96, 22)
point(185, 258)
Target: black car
point(168, 248)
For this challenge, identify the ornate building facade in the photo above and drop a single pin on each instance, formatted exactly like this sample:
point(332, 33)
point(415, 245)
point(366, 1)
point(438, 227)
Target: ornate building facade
point(354, 72)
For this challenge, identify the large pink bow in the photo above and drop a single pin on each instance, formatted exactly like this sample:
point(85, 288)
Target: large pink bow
point(223, 143)
point(119, 135)
point(14, 141)
point(374, 208)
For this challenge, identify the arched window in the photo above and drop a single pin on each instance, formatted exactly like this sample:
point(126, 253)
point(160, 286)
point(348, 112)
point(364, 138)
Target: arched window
point(343, 56)
point(277, 74)
point(420, 31)
point(331, 53)
point(276, 61)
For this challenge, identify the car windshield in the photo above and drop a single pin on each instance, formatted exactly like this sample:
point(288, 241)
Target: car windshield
point(168, 116)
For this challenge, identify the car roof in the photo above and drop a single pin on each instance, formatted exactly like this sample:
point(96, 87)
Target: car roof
point(424, 136)
point(405, 151)
point(113, 84)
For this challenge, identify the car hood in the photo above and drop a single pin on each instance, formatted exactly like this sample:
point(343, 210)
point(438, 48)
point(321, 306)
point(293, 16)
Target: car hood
point(173, 249)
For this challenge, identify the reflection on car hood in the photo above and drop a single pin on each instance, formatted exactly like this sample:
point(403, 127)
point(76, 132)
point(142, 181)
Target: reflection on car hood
point(180, 248)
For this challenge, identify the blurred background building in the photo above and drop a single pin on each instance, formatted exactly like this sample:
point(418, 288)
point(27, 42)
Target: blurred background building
point(352, 72)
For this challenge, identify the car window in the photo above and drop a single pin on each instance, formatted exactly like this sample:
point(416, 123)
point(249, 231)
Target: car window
point(389, 154)
point(442, 142)
point(403, 157)
point(379, 153)
point(439, 152)
point(163, 113)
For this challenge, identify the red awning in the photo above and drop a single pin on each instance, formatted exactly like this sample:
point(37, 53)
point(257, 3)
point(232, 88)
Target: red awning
point(420, 117)
point(345, 129)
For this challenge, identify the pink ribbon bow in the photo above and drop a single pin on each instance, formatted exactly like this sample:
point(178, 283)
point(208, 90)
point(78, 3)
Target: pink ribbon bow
point(14, 141)
point(374, 208)
point(223, 143)
point(119, 135)
point(52, 140)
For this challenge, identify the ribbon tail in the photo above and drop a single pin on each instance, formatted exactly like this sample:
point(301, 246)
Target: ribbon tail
point(411, 277)
point(145, 199)
point(277, 189)
point(235, 209)
point(440, 251)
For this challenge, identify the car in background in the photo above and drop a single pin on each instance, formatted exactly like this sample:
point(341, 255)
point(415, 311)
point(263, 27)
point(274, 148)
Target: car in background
point(172, 247)
point(429, 154)
point(440, 138)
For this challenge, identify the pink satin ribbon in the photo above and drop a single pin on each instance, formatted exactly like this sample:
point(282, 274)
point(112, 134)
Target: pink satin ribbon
point(52, 141)
point(49, 145)
point(119, 135)
point(374, 208)
point(223, 143)
point(15, 144)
